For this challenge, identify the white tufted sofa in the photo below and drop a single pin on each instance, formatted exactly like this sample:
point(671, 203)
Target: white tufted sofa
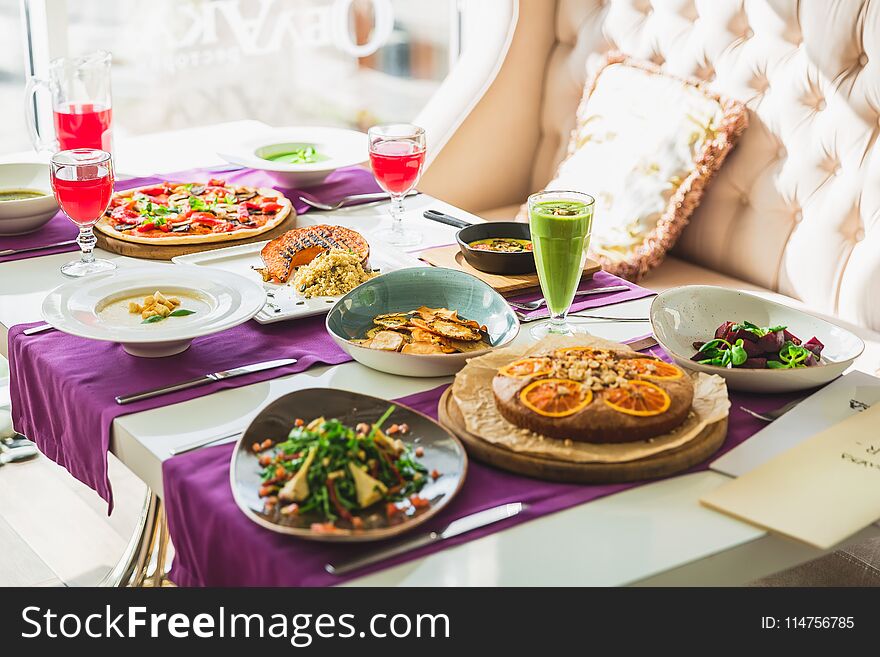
point(796, 208)
point(794, 212)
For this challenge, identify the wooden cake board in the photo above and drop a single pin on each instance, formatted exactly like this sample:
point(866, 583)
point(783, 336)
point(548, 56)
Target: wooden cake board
point(509, 284)
point(664, 464)
point(166, 252)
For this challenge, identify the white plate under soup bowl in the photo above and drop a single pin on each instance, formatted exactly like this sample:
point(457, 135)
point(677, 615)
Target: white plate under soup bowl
point(336, 148)
point(21, 216)
point(682, 315)
point(96, 307)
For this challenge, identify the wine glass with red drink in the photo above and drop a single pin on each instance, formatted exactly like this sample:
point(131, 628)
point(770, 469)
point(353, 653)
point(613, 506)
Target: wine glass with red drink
point(82, 180)
point(397, 155)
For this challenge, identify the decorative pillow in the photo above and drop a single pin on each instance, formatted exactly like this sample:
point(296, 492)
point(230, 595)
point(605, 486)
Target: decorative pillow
point(645, 145)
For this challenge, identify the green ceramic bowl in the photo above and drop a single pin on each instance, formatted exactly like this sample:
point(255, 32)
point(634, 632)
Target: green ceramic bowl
point(407, 289)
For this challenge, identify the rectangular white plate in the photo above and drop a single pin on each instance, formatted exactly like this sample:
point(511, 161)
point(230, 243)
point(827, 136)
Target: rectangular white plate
point(283, 301)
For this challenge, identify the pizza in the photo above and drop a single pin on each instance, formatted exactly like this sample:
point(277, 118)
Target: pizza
point(175, 213)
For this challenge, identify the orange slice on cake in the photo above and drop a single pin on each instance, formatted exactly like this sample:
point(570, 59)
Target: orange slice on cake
point(555, 397)
point(639, 398)
point(654, 369)
point(532, 366)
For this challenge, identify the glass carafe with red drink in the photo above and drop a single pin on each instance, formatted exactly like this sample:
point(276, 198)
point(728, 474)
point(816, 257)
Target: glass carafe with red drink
point(82, 180)
point(397, 155)
point(81, 108)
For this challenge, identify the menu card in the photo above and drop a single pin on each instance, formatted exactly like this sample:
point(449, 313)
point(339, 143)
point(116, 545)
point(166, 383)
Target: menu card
point(820, 492)
point(845, 396)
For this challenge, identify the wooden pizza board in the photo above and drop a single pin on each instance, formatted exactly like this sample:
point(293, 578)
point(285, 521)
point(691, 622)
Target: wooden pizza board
point(451, 257)
point(661, 465)
point(168, 251)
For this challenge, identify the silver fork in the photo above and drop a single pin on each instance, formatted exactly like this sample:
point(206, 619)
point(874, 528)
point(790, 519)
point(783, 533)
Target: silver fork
point(769, 416)
point(534, 305)
point(347, 200)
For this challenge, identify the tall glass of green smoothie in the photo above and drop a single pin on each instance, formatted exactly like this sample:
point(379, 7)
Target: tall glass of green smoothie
point(560, 222)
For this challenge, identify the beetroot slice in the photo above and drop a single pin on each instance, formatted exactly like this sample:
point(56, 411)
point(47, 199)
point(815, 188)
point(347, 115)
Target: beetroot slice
point(721, 331)
point(791, 336)
point(772, 342)
point(756, 363)
point(752, 348)
point(814, 345)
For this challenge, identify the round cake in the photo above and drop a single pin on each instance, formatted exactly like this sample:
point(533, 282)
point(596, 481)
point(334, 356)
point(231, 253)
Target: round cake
point(593, 395)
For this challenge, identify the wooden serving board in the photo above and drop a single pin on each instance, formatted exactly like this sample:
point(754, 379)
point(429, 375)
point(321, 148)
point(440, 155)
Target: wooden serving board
point(661, 465)
point(451, 257)
point(166, 252)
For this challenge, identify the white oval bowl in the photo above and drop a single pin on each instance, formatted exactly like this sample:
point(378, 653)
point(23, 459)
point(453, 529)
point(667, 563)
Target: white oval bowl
point(342, 147)
point(73, 307)
point(29, 214)
point(682, 315)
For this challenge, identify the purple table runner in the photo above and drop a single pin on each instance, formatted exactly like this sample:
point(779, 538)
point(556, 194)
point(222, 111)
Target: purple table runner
point(599, 279)
point(63, 387)
point(350, 180)
point(217, 545)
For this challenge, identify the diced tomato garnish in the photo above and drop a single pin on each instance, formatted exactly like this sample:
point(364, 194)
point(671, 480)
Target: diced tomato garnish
point(165, 228)
point(205, 218)
point(217, 182)
point(146, 227)
point(250, 205)
point(155, 190)
point(125, 215)
point(419, 502)
point(323, 527)
point(391, 509)
point(357, 523)
point(270, 207)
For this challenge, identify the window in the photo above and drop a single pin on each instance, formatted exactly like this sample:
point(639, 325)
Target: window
point(13, 132)
point(183, 63)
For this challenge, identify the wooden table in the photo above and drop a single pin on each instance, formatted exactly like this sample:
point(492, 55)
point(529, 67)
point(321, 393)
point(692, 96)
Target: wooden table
point(653, 534)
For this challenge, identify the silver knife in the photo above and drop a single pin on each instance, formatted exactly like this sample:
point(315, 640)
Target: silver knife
point(28, 249)
point(203, 380)
point(455, 528)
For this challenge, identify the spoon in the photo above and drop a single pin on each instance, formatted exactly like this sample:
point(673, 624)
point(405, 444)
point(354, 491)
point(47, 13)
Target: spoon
point(534, 305)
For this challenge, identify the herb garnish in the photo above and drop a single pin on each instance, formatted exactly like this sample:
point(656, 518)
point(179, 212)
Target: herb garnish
point(180, 312)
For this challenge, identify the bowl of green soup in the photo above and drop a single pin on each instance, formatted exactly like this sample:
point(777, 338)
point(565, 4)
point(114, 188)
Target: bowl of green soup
point(26, 199)
point(300, 156)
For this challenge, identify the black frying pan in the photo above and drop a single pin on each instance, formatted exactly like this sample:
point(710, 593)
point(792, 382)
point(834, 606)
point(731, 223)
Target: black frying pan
point(492, 262)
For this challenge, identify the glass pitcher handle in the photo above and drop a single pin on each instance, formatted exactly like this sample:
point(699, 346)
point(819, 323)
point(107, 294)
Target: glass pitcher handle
point(30, 94)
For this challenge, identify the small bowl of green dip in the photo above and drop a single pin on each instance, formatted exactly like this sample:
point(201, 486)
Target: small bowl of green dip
point(298, 157)
point(26, 199)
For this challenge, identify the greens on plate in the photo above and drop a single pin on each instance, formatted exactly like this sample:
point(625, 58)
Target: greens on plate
point(747, 345)
point(329, 476)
